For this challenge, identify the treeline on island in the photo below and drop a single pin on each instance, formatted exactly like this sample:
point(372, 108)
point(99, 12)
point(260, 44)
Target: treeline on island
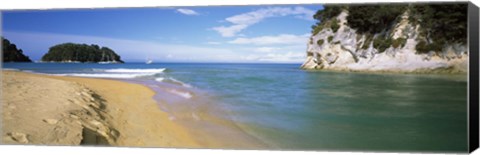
point(11, 53)
point(70, 52)
point(440, 24)
point(66, 52)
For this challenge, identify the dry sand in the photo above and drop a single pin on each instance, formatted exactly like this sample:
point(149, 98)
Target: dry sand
point(41, 109)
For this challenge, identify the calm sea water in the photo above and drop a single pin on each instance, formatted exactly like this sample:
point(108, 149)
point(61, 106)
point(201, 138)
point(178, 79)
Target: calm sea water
point(289, 108)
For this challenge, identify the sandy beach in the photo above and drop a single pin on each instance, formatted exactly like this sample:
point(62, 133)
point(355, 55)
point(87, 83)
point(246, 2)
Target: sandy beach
point(41, 109)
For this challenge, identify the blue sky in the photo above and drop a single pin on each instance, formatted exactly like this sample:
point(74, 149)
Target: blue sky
point(277, 33)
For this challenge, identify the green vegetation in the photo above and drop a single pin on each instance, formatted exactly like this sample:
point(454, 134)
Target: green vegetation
point(330, 38)
point(373, 19)
point(326, 18)
point(399, 42)
point(368, 40)
point(11, 53)
point(329, 12)
point(320, 42)
point(335, 25)
point(424, 47)
point(382, 43)
point(81, 53)
point(316, 29)
point(441, 24)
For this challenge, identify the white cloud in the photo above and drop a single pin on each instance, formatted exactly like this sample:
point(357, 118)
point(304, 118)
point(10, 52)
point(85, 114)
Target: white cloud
point(265, 49)
point(277, 57)
point(229, 31)
point(187, 12)
point(278, 53)
point(279, 39)
point(242, 21)
point(288, 57)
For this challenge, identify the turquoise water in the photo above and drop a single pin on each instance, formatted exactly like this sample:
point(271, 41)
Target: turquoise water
point(289, 108)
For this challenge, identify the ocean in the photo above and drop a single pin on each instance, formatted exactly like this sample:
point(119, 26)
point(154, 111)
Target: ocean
point(292, 109)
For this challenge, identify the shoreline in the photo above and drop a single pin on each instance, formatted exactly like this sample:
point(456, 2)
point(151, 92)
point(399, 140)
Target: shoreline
point(142, 124)
point(461, 76)
point(438, 71)
point(277, 117)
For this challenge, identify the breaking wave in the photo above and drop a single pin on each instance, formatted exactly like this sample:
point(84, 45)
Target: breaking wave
point(173, 81)
point(124, 70)
point(183, 94)
point(118, 73)
point(104, 75)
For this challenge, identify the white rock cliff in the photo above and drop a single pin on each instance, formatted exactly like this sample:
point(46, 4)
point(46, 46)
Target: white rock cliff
point(344, 52)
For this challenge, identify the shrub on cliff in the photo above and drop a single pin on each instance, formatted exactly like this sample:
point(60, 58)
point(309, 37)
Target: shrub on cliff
point(316, 29)
point(320, 42)
point(330, 38)
point(399, 42)
point(367, 42)
point(382, 43)
point(326, 18)
point(424, 47)
point(335, 25)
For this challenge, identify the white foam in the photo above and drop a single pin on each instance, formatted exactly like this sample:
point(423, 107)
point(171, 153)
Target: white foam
point(126, 70)
point(118, 73)
point(10, 69)
point(116, 76)
point(180, 82)
point(183, 94)
point(160, 79)
point(172, 80)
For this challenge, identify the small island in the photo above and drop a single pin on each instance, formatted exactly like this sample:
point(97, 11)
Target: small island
point(71, 52)
point(11, 53)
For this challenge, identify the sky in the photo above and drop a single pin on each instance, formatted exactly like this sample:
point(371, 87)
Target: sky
point(256, 34)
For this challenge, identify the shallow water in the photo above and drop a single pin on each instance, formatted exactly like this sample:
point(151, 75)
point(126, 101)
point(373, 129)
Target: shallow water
point(289, 108)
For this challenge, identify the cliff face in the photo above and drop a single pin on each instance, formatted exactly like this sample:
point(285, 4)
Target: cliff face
point(347, 50)
point(11, 53)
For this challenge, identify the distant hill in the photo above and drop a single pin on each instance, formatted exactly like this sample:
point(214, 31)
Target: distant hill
point(11, 53)
point(71, 52)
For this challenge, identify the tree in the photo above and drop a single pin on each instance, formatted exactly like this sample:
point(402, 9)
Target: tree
point(326, 18)
point(373, 19)
point(441, 24)
point(11, 53)
point(80, 52)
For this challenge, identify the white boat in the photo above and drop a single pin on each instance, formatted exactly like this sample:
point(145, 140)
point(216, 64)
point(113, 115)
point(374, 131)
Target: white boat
point(149, 61)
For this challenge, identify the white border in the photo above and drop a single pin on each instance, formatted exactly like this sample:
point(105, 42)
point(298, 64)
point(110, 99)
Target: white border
point(48, 4)
point(75, 150)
